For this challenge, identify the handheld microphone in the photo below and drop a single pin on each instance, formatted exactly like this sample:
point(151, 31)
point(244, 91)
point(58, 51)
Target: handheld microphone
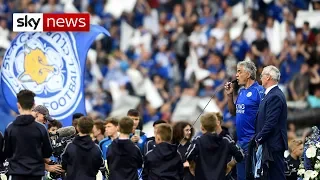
point(234, 81)
point(66, 131)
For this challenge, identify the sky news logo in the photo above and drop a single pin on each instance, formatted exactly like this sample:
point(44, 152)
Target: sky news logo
point(46, 22)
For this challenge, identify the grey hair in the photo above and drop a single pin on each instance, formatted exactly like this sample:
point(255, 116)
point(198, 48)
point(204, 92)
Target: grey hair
point(249, 67)
point(273, 72)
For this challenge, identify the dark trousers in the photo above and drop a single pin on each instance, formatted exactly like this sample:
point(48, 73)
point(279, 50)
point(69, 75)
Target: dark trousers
point(276, 168)
point(16, 177)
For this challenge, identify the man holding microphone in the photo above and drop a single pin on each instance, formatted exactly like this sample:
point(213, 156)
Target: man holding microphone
point(245, 107)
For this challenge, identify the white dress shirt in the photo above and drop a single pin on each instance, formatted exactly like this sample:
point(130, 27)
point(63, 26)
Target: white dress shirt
point(269, 89)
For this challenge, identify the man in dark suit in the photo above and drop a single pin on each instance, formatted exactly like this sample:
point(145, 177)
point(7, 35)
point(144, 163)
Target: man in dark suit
point(271, 124)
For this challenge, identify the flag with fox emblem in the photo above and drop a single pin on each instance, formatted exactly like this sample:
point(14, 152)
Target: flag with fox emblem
point(52, 65)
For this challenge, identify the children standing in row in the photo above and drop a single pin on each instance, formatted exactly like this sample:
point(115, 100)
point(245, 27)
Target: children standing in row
point(210, 153)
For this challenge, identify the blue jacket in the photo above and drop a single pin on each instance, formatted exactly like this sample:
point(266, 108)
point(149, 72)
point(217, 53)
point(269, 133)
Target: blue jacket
point(104, 144)
point(141, 142)
point(149, 145)
point(271, 122)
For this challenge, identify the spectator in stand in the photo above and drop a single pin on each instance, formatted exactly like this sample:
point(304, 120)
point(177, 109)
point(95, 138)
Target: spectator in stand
point(314, 100)
point(259, 46)
point(291, 131)
point(167, 25)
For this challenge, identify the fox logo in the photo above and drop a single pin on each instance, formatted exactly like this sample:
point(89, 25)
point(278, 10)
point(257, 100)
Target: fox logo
point(36, 67)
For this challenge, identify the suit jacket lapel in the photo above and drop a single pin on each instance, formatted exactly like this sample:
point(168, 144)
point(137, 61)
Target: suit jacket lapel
point(271, 91)
point(263, 98)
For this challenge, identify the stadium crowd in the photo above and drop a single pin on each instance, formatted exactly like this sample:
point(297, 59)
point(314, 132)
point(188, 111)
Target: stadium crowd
point(164, 32)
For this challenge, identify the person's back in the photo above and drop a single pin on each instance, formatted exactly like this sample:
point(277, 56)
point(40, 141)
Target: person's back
point(214, 152)
point(211, 152)
point(24, 139)
point(124, 157)
point(82, 158)
point(163, 161)
point(27, 142)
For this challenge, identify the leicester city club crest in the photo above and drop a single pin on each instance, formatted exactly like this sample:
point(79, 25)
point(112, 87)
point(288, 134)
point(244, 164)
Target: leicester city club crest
point(47, 64)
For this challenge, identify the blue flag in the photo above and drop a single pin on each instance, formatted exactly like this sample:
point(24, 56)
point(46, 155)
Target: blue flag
point(52, 65)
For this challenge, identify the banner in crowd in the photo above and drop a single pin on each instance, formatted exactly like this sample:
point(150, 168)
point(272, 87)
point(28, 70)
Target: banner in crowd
point(52, 65)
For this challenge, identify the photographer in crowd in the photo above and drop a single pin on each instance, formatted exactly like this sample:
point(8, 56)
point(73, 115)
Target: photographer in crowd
point(27, 144)
point(82, 158)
